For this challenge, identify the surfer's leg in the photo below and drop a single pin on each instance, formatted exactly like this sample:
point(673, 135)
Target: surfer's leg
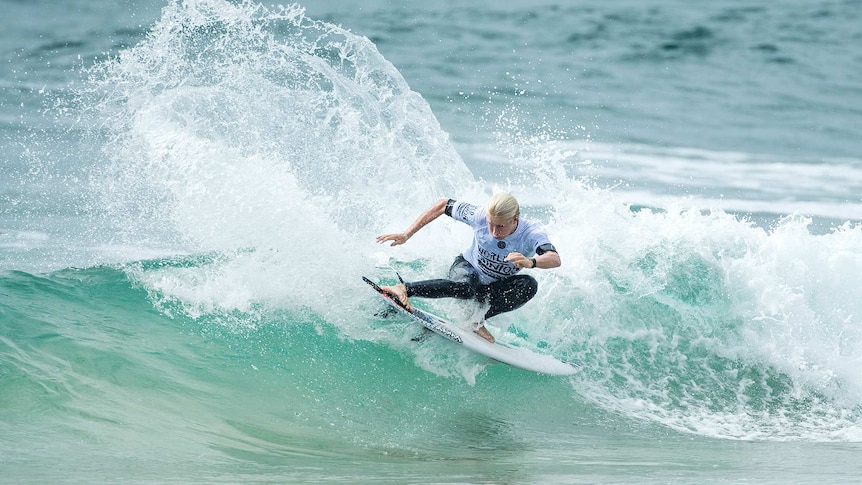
point(510, 293)
point(462, 270)
point(463, 283)
point(441, 288)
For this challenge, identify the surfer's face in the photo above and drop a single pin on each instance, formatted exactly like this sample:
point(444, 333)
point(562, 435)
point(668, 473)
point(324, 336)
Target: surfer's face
point(500, 228)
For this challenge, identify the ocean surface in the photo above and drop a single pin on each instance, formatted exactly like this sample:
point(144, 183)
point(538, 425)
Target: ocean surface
point(190, 191)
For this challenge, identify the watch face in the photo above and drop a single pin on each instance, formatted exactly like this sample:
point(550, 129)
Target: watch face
point(501, 244)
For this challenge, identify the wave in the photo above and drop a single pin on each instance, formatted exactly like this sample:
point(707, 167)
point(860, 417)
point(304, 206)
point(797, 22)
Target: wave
point(273, 147)
point(664, 340)
point(86, 358)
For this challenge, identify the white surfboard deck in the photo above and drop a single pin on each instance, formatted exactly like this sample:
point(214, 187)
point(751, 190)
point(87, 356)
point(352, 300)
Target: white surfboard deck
point(507, 354)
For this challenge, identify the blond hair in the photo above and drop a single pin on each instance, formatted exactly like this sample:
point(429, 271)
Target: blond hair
point(504, 206)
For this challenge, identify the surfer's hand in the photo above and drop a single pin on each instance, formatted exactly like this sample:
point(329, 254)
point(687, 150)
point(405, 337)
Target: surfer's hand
point(396, 238)
point(519, 260)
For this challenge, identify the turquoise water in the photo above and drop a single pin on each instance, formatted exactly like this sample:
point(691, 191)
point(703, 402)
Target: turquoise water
point(190, 194)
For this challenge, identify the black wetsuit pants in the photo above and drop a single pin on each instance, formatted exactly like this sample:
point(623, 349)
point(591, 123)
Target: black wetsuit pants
point(502, 295)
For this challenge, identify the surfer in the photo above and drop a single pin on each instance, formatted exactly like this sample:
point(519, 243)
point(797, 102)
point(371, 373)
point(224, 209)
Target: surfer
point(487, 271)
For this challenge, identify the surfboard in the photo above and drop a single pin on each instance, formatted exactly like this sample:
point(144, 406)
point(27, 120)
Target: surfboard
point(519, 357)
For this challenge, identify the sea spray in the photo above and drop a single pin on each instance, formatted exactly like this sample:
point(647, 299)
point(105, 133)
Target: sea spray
point(282, 142)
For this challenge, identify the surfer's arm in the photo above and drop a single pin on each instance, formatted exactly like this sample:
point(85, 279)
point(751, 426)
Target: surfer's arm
point(433, 212)
point(546, 260)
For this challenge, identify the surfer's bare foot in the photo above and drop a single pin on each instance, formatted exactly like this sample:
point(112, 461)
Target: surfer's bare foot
point(484, 333)
point(399, 291)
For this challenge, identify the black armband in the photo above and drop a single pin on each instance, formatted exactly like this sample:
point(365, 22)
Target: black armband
point(544, 248)
point(449, 204)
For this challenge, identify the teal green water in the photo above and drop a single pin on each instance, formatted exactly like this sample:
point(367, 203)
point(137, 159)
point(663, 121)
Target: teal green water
point(112, 389)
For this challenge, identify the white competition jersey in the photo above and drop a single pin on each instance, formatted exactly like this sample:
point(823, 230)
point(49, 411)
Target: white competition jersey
point(486, 253)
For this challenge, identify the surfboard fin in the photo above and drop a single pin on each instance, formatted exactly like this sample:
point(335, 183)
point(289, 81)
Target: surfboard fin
point(422, 336)
point(386, 312)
